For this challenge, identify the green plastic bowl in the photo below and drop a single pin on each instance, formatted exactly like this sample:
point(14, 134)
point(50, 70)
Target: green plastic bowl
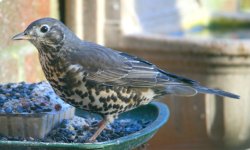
point(155, 111)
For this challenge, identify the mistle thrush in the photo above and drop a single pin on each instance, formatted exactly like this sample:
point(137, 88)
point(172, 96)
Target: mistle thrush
point(99, 79)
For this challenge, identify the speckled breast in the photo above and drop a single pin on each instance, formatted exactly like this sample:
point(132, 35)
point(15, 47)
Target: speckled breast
point(102, 99)
point(71, 84)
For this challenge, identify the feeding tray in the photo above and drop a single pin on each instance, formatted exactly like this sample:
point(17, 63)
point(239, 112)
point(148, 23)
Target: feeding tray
point(30, 110)
point(155, 112)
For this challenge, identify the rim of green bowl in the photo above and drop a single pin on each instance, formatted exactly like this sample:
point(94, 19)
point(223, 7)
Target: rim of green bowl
point(162, 117)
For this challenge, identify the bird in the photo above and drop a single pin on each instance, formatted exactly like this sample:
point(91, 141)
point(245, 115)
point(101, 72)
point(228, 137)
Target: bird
point(101, 80)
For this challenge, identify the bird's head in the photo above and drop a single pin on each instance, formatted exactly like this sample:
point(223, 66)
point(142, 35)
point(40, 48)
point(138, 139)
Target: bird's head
point(44, 32)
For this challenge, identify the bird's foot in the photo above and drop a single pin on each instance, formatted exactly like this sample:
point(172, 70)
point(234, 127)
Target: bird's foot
point(91, 140)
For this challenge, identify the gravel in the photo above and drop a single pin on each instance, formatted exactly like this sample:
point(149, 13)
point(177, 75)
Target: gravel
point(16, 98)
point(79, 130)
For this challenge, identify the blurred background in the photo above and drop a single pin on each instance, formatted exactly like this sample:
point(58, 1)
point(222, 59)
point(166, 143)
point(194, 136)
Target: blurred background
point(206, 40)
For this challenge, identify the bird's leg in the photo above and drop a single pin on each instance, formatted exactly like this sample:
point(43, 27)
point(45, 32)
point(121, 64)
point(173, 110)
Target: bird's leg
point(102, 125)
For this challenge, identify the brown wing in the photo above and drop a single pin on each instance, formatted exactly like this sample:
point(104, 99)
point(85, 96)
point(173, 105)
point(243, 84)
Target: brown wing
point(106, 66)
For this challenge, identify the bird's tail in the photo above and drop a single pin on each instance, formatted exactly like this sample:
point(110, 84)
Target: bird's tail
point(201, 89)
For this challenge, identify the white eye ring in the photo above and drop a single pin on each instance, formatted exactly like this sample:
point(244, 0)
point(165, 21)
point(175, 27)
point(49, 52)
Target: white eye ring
point(44, 28)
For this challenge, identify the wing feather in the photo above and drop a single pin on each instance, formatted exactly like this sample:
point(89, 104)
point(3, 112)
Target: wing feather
point(110, 67)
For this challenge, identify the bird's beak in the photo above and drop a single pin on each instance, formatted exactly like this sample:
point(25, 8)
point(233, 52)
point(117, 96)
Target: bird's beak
point(22, 36)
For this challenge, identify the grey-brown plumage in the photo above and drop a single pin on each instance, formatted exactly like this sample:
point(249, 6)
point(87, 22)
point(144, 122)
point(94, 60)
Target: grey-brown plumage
point(99, 79)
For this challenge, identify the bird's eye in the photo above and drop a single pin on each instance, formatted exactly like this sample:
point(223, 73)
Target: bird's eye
point(44, 28)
